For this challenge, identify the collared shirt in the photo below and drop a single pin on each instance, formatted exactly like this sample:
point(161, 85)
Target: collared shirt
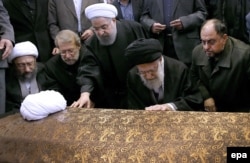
point(78, 7)
point(167, 8)
point(127, 10)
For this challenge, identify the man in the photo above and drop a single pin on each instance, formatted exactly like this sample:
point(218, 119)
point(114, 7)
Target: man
point(25, 75)
point(158, 82)
point(107, 45)
point(61, 70)
point(29, 20)
point(220, 66)
point(175, 24)
point(129, 9)
point(6, 46)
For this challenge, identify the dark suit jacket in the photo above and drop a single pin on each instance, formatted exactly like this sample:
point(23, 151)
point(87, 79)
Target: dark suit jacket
point(229, 82)
point(13, 90)
point(137, 6)
point(62, 15)
point(178, 88)
point(6, 30)
point(27, 29)
point(192, 14)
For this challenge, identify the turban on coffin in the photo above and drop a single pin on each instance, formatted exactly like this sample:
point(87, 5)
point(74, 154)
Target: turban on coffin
point(40, 105)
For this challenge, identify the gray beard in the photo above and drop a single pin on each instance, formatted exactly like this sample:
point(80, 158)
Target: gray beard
point(155, 84)
point(109, 40)
point(27, 76)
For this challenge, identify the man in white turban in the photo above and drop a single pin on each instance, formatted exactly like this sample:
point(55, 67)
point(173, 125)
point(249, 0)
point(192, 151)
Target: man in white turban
point(24, 76)
point(106, 68)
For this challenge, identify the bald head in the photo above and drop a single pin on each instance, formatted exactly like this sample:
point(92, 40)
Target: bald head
point(214, 25)
point(213, 37)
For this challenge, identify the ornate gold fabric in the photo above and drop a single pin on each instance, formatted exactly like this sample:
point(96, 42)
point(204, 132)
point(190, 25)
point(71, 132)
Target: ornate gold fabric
point(122, 136)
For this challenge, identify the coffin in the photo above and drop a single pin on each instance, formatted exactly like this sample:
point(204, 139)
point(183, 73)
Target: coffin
point(113, 136)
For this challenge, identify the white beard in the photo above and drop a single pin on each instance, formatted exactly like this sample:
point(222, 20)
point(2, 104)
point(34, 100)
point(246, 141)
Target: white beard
point(155, 84)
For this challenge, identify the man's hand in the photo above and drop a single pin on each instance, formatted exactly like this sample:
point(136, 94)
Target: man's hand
point(176, 24)
point(157, 28)
point(7, 44)
point(209, 105)
point(164, 107)
point(83, 102)
point(55, 51)
point(87, 34)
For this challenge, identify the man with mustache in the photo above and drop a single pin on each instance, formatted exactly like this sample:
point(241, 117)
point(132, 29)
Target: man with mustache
point(61, 70)
point(25, 75)
point(108, 72)
point(220, 65)
point(158, 82)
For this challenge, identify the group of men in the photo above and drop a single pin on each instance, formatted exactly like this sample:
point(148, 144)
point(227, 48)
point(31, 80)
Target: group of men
point(119, 66)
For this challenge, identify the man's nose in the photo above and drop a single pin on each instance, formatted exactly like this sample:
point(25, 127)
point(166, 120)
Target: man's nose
point(27, 68)
point(149, 76)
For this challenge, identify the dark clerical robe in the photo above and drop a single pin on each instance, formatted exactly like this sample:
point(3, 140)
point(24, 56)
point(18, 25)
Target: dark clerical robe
point(108, 75)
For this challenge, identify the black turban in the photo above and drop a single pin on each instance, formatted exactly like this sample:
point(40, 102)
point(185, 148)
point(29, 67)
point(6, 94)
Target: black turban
point(143, 51)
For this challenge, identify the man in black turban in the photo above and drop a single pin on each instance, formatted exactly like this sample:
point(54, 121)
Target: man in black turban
point(157, 82)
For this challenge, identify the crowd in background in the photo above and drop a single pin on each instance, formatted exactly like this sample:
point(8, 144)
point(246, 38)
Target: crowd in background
point(82, 50)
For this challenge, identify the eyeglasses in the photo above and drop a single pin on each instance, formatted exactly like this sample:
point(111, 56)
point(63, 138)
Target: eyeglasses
point(23, 65)
point(69, 51)
point(153, 70)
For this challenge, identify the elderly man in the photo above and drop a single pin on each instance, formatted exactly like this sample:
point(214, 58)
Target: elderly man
point(107, 45)
point(61, 70)
point(25, 75)
point(157, 82)
point(220, 65)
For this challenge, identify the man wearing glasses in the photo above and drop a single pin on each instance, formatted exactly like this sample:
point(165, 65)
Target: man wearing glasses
point(221, 67)
point(61, 70)
point(25, 75)
point(158, 82)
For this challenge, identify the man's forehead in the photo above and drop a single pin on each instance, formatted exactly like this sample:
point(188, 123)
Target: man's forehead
point(25, 58)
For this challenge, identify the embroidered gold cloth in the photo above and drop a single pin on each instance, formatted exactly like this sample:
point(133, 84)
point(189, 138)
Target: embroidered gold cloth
point(122, 136)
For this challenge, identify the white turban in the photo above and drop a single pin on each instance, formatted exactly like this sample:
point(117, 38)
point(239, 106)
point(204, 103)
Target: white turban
point(40, 105)
point(23, 49)
point(101, 10)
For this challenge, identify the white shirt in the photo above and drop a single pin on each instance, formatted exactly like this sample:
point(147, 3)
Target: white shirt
point(78, 7)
